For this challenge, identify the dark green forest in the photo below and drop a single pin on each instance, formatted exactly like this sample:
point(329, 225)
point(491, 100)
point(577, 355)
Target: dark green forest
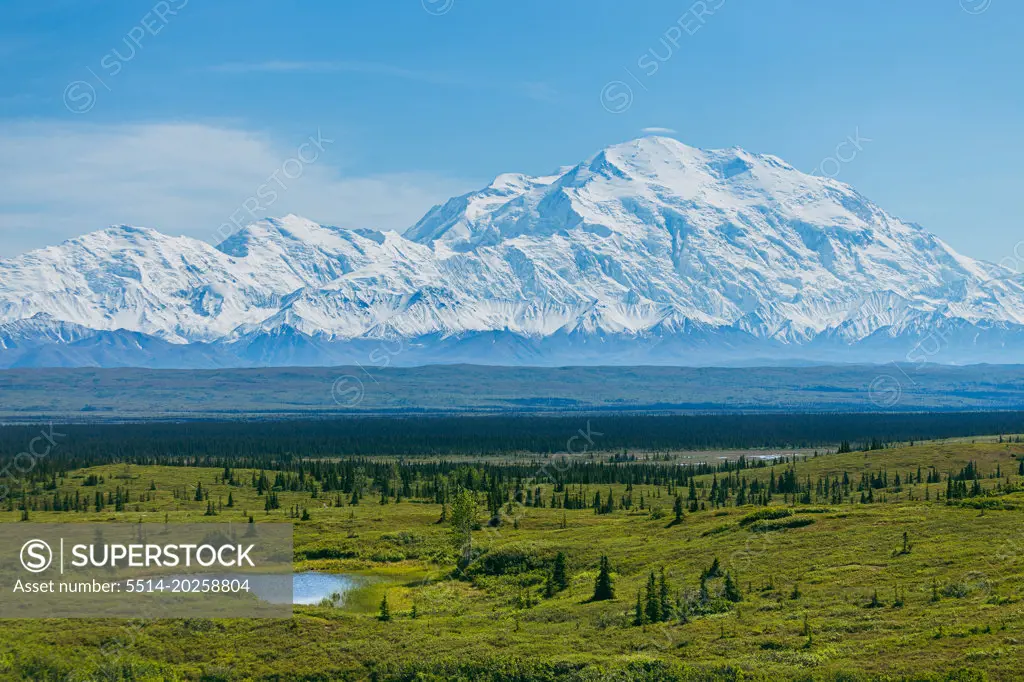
point(492, 435)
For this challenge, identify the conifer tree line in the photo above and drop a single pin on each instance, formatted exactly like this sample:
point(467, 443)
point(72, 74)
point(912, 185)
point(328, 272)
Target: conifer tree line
point(601, 485)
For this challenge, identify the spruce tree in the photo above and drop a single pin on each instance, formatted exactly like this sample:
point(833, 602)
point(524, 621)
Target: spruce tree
point(732, 590)
point(638, 614)
point(385, 610)
point(652, 610)
point(559, 574)
point(678, 507)
point(603, 588)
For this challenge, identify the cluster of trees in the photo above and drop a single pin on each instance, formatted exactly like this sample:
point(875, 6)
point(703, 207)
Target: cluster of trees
point(656, 606)
point(717, 592)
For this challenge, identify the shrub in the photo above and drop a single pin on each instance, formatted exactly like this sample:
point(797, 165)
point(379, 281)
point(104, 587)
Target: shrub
point(766, 526)
point(765, 515)
point(510, 560)
point(323, 550)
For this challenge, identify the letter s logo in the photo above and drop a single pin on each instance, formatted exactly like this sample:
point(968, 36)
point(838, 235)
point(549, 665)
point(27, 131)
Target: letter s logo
point(36, 556)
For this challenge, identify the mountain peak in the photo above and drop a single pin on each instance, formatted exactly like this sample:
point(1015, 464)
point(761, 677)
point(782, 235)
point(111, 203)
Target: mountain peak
point(652, 142)
point(295, 234)
point(654, 173)
point(652, 155)
point(124, 232)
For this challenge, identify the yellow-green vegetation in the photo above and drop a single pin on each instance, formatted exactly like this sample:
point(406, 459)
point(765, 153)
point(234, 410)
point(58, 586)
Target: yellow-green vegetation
point(907, 586)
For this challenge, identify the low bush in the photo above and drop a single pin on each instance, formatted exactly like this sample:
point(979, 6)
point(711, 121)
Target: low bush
point(765, 515)
point(766, 526)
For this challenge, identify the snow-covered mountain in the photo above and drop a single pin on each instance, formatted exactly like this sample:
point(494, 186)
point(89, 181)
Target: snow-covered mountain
point(648, 252)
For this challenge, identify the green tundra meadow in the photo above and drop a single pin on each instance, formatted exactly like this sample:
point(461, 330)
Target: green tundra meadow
point(868, 561)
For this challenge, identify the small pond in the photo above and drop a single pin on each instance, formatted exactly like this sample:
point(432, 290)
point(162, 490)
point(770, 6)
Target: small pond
point(310, 587)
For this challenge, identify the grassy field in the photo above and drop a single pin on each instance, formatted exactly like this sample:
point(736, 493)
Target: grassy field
point(838, 595)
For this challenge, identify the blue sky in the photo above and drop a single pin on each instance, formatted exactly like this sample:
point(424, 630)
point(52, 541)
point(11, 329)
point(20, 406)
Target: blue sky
point(170, 114)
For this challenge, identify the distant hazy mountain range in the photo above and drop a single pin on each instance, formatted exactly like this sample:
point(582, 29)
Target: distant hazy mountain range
point(649, 252)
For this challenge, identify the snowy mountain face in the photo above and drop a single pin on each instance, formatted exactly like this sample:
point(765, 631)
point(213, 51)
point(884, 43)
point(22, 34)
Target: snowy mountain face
point(648, 252)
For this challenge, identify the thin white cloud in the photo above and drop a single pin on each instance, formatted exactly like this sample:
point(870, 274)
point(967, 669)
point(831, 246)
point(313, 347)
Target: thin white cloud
point(58, 181)
point(19, 98)
point(529, 89)
point(368, 68)
point(658, 131)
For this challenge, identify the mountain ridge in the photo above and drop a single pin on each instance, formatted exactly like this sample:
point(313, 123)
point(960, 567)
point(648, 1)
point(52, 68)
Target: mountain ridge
point(647, 251)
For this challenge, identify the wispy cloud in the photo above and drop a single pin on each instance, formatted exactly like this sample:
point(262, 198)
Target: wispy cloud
point(60, 180)
point(530, 89)
point(655, 130)
point(18, 98)
point(368, 68)
point(538, 91)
